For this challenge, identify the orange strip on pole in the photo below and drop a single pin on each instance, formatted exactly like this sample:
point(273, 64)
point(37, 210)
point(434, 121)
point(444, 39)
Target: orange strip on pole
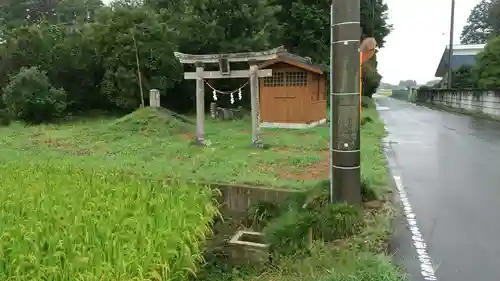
point(360, 82)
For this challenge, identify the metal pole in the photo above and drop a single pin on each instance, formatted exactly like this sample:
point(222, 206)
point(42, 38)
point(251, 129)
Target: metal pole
point(332, 186)
point(345, 95)
point(450, 49)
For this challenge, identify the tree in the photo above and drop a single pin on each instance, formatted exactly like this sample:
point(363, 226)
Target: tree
point(113, 34)
point(487, 68)
point(213, 26)
point(494, 17)
point(18, 12)
point(30, 96)
point(480, 25)
point(305, 25)
point(371, 77)
point(94, 57)
point(408, 83)
point(374, 16)
point(463, 78)
point(384, 85)
point(79, 10)
point(431, 83)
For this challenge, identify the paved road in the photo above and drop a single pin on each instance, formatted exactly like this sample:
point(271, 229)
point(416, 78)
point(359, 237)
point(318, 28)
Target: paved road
point(447, 169)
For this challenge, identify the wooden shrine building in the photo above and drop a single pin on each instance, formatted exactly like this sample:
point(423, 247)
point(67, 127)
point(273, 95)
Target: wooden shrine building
point(295, 95)
point(286, 90)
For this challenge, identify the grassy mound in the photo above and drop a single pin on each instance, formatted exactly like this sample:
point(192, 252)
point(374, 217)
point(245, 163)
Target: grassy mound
point(153, 120)
point(63, 223)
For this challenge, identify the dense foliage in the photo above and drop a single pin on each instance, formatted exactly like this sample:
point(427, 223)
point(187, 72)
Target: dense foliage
point(488, 65)
point(30, 97)
point(483, 27)
point(463, 78)
point(91, 50)
point(480, 25)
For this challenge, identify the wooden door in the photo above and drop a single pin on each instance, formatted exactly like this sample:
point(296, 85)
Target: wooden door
point(273, 97)
point(282, 96)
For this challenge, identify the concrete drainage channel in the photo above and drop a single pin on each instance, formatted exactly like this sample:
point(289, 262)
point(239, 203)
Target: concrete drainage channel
point(248, 247)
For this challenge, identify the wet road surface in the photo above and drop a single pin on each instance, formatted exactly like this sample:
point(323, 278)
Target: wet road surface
point(449, 168)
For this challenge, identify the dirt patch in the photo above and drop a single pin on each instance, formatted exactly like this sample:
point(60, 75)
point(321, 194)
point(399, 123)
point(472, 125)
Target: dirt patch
point(283, 149)
point(188, 136)
point(56, 143)
point(318, 171)
point(37, 135)
point(82, 152)
point(65, 146)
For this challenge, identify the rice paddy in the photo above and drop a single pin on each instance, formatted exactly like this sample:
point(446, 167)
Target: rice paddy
point(62, 223)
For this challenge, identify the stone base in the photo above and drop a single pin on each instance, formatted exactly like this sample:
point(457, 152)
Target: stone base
point(197, 142)
point(292, 125)
point(259, 144)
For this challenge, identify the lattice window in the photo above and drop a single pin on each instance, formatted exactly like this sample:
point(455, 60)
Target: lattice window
point(277, 80)
point(296, 79)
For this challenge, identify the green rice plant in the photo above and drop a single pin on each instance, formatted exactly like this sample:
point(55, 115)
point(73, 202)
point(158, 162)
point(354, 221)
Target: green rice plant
point(63, 223)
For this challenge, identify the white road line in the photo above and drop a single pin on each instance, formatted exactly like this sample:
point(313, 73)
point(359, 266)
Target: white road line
point(426, 268)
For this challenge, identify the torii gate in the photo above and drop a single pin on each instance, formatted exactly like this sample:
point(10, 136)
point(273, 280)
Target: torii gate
point(225, 72)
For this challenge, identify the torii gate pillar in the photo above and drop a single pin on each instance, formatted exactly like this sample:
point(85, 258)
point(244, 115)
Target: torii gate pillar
point(255, 104)
point(226, 73)
point(200, 104)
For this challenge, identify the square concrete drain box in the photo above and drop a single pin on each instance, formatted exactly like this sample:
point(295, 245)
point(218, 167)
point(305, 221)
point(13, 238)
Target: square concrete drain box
point(248, 247)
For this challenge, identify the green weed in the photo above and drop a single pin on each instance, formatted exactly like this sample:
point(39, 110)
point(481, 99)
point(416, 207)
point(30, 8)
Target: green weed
point(157, 143)
point(360, 257)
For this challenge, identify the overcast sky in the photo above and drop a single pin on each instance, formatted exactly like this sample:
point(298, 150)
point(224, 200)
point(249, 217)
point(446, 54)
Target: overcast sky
point(420, 35)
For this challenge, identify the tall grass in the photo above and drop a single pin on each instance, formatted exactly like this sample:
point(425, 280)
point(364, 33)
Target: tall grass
point(358, 258)
point(373, 162)
point(66, 224)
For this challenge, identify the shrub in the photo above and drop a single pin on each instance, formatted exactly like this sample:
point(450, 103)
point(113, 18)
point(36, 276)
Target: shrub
point(367, 192)
point(30, 97)
point(261, 213)
point(337, 221)
point(64, 223)
point(367, 102)
point(289, 232)
point(4, 117)
point(366, 120)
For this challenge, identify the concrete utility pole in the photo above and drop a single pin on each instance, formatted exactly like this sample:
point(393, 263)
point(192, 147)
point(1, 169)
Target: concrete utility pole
point(332, 185)
point(450, 49)
point(345, 113)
